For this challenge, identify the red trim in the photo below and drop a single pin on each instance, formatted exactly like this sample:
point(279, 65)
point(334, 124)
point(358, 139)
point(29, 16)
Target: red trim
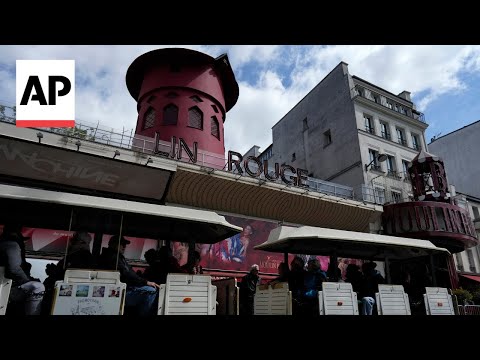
point(45, 123)
point(472, 277)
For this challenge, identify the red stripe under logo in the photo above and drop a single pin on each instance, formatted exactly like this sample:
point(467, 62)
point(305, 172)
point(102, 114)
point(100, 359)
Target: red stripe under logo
point(45, 123)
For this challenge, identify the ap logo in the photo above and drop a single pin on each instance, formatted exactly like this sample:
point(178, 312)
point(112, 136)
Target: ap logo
point(45, 93)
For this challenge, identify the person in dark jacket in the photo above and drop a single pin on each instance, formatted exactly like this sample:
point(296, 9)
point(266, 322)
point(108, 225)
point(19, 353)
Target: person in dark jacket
point(371, 279)
point(283, 272)
point(248, 287)
point(193, 265)
point(296, 283)
point(142, 295)
point(12, 256)
point(78, 254)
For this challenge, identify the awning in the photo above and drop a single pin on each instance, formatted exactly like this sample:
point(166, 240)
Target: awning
point(230, 193)
point(322, 241)
point(139, 219)
point(472, 277)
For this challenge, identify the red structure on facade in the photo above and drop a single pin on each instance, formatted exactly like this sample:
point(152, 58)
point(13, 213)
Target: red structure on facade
point(183, 93)
point(433, 215)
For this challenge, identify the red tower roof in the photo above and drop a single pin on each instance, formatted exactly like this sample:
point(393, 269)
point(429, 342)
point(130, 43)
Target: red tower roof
point(180, 56)
point(423, 155)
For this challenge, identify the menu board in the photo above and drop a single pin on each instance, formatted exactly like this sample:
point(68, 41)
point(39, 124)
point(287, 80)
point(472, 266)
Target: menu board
point(88, 298)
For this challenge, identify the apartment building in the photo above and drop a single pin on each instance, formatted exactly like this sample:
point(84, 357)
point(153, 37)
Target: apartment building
point(352, 132)
point(460, 150)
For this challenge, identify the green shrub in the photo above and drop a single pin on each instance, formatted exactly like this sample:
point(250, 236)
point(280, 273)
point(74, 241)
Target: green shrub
point(476, 296)
point(463, 296)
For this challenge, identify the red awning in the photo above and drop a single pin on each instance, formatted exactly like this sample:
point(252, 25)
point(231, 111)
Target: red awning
point(472, 277)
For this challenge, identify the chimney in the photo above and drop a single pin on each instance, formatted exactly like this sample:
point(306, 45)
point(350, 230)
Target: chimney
point(405, 95)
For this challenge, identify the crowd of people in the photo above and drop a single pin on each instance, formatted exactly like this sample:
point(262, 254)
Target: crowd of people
point(305, 283)
point(31, 297)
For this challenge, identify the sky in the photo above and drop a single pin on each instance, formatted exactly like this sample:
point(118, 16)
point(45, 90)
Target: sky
point(444, 81)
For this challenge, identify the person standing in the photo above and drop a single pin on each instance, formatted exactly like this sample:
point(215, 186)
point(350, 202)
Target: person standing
point(248, 287)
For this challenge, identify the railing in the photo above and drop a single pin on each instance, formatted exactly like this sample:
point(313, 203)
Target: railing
point(385, 101)
point(317, 185)
point(381, 195)
point(402, 141)
point(393, 174)
point(468, 309)
point(386, 136)
point(125, 139)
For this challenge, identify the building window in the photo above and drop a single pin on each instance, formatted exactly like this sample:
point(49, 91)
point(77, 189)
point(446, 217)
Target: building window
point(196, 99)
point(174, 68)
point(368, 124)
point(214, 127)
point(267, 154)
point(170, 114)
point(406, 176)
point(415, 142)
point(471, 261)
point(172, 95)
point(391, 168)
point(476, 214)
point(373, 154)
point(305, 124)
point(396, 197)
point(149, 119)
point(401, 137)
point(379, 195)
point(327, 137)
point(385, 130)
point(458, 257)
point(215, 109)
point(195, 118)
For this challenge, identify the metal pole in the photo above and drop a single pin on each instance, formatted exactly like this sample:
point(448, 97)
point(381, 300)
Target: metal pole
point(119, 238)
point(387, 270)
point(285, 258)
point(432, 269)
point(68, 239)
point(191, 251)
point(333, 267)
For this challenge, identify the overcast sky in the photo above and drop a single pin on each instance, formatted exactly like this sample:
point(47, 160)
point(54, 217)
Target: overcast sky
point(444, 81)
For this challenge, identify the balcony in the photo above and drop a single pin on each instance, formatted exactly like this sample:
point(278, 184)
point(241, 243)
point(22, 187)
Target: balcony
point(370, 130)
point(386, 135)
point(387, 102)
point(402, 141)
point(393, 174)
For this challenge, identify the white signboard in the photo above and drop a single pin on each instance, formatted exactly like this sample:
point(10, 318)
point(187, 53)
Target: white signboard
point(88, 299)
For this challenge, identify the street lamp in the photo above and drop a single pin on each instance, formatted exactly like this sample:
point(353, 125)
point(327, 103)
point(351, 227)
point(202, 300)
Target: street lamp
point(380, 158)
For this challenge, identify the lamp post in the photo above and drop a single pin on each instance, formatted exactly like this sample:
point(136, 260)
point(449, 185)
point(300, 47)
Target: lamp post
point(379, 158)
